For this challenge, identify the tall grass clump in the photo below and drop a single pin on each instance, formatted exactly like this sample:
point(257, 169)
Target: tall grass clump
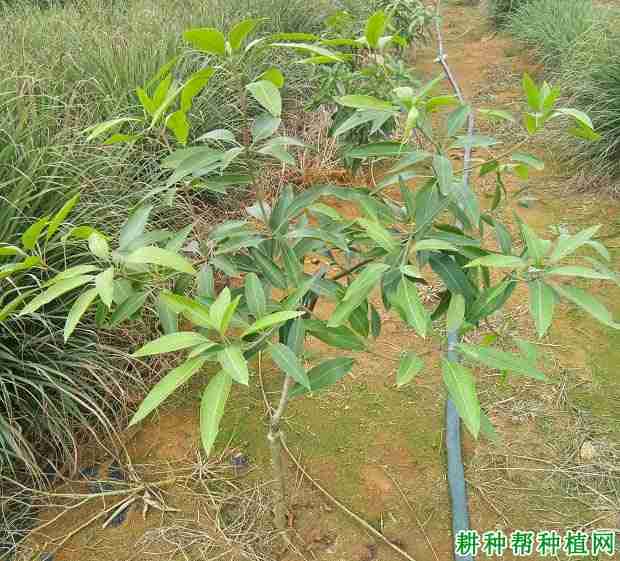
point(553, 28)
point(500, 11)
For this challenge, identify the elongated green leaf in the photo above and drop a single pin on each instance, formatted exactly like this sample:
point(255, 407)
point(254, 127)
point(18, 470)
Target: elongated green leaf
point(78, 310)
point(375, 28)
point(535, 246)
point(153, 255)
point(272, 273)
point(531, 91)
point(587, 302)
point(289, 364)
point(502, 360)
point(170, 343)
point(212, 407)
point(542, 303)
point(101, 128)
point(528, 160)
point(456, 119)
point(206, 282)
point(569, 244)
point(76, 271)
point(194, 311)
point(60, 216)
point(576, 271)
point(166, 386)
point(264, 126)
point(232, 360)
point(452, 275)
point(134, 227)
point(443, 171)
point(270, 320)
point(365, 102)
point(462, 389)
point(33, 233)
point(218, 308)
point(497, 261)
point(104, 282)
point(128, 308)
point(179, 125)
point(267, 95)
point(407, 301)
point(339, 337)
point(433, 245)
point(206, 39)
point(363, 285)
point(255, 295)
point(55, 291)
point(359, 118)
point(409, 366)
point(456, 312)
point(168, 318)
point(239, 33)
point(325, 55)
point(325, 374)
point(379, 234)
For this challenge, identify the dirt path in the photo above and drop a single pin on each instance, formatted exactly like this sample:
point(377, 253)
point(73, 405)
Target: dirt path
point(373, 445)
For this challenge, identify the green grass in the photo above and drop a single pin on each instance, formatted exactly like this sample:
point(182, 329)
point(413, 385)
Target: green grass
point(66, 66)
point(501, 10)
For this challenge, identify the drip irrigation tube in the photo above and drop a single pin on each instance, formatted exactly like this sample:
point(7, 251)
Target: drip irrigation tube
point(456, 473)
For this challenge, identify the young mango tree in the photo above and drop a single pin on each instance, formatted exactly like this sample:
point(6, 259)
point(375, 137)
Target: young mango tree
point(395, 242)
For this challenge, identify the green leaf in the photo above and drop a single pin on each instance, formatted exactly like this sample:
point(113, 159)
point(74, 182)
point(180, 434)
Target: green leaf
point(474, 141)
point(433, 245)
point(238, 34)
point(575, 271)
point(264, 126)
point(194, 311)
point(134, 227)
point(528, 160)
point(379, 234)
point(292, 265)
point(217, 311)
point(179, 125)
point(535, 246)
point(78, 309)
point(528, 350)
point(272, 273)
point(98, 246)
point(339, 337)
point(10, 250)
point(443, 171)
point(359, 118)
point(166, 386)
point(323, 53)
point(407, 301)
point(452, 275)
point(325, 374)
point(128, 308)
point(168, 318)
point(273, 75)
point(497, 261)
point(497, 114)
point(501, 360)
point(212, 407)
point(363, 285)
point(289, 364)
point(172, 342)
point(267, 95)
point(223, 135)
point(532, 93)
point(579, 116)
point(232, 360)
point(409, 366)
point(206, 39)
point(153, 255)
point(55, 291)
point(569, 244)
point(60, 216)
point(588, 303)
point(366, 102)
point(206, 282)
point(456, 312)
point(33, 233)
point(542, 303)
point(457, 119)
point(375, 28)
point(255, 295)
point(462, 389)
point(104, 282)
point(269, 321)
point(71, 272)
